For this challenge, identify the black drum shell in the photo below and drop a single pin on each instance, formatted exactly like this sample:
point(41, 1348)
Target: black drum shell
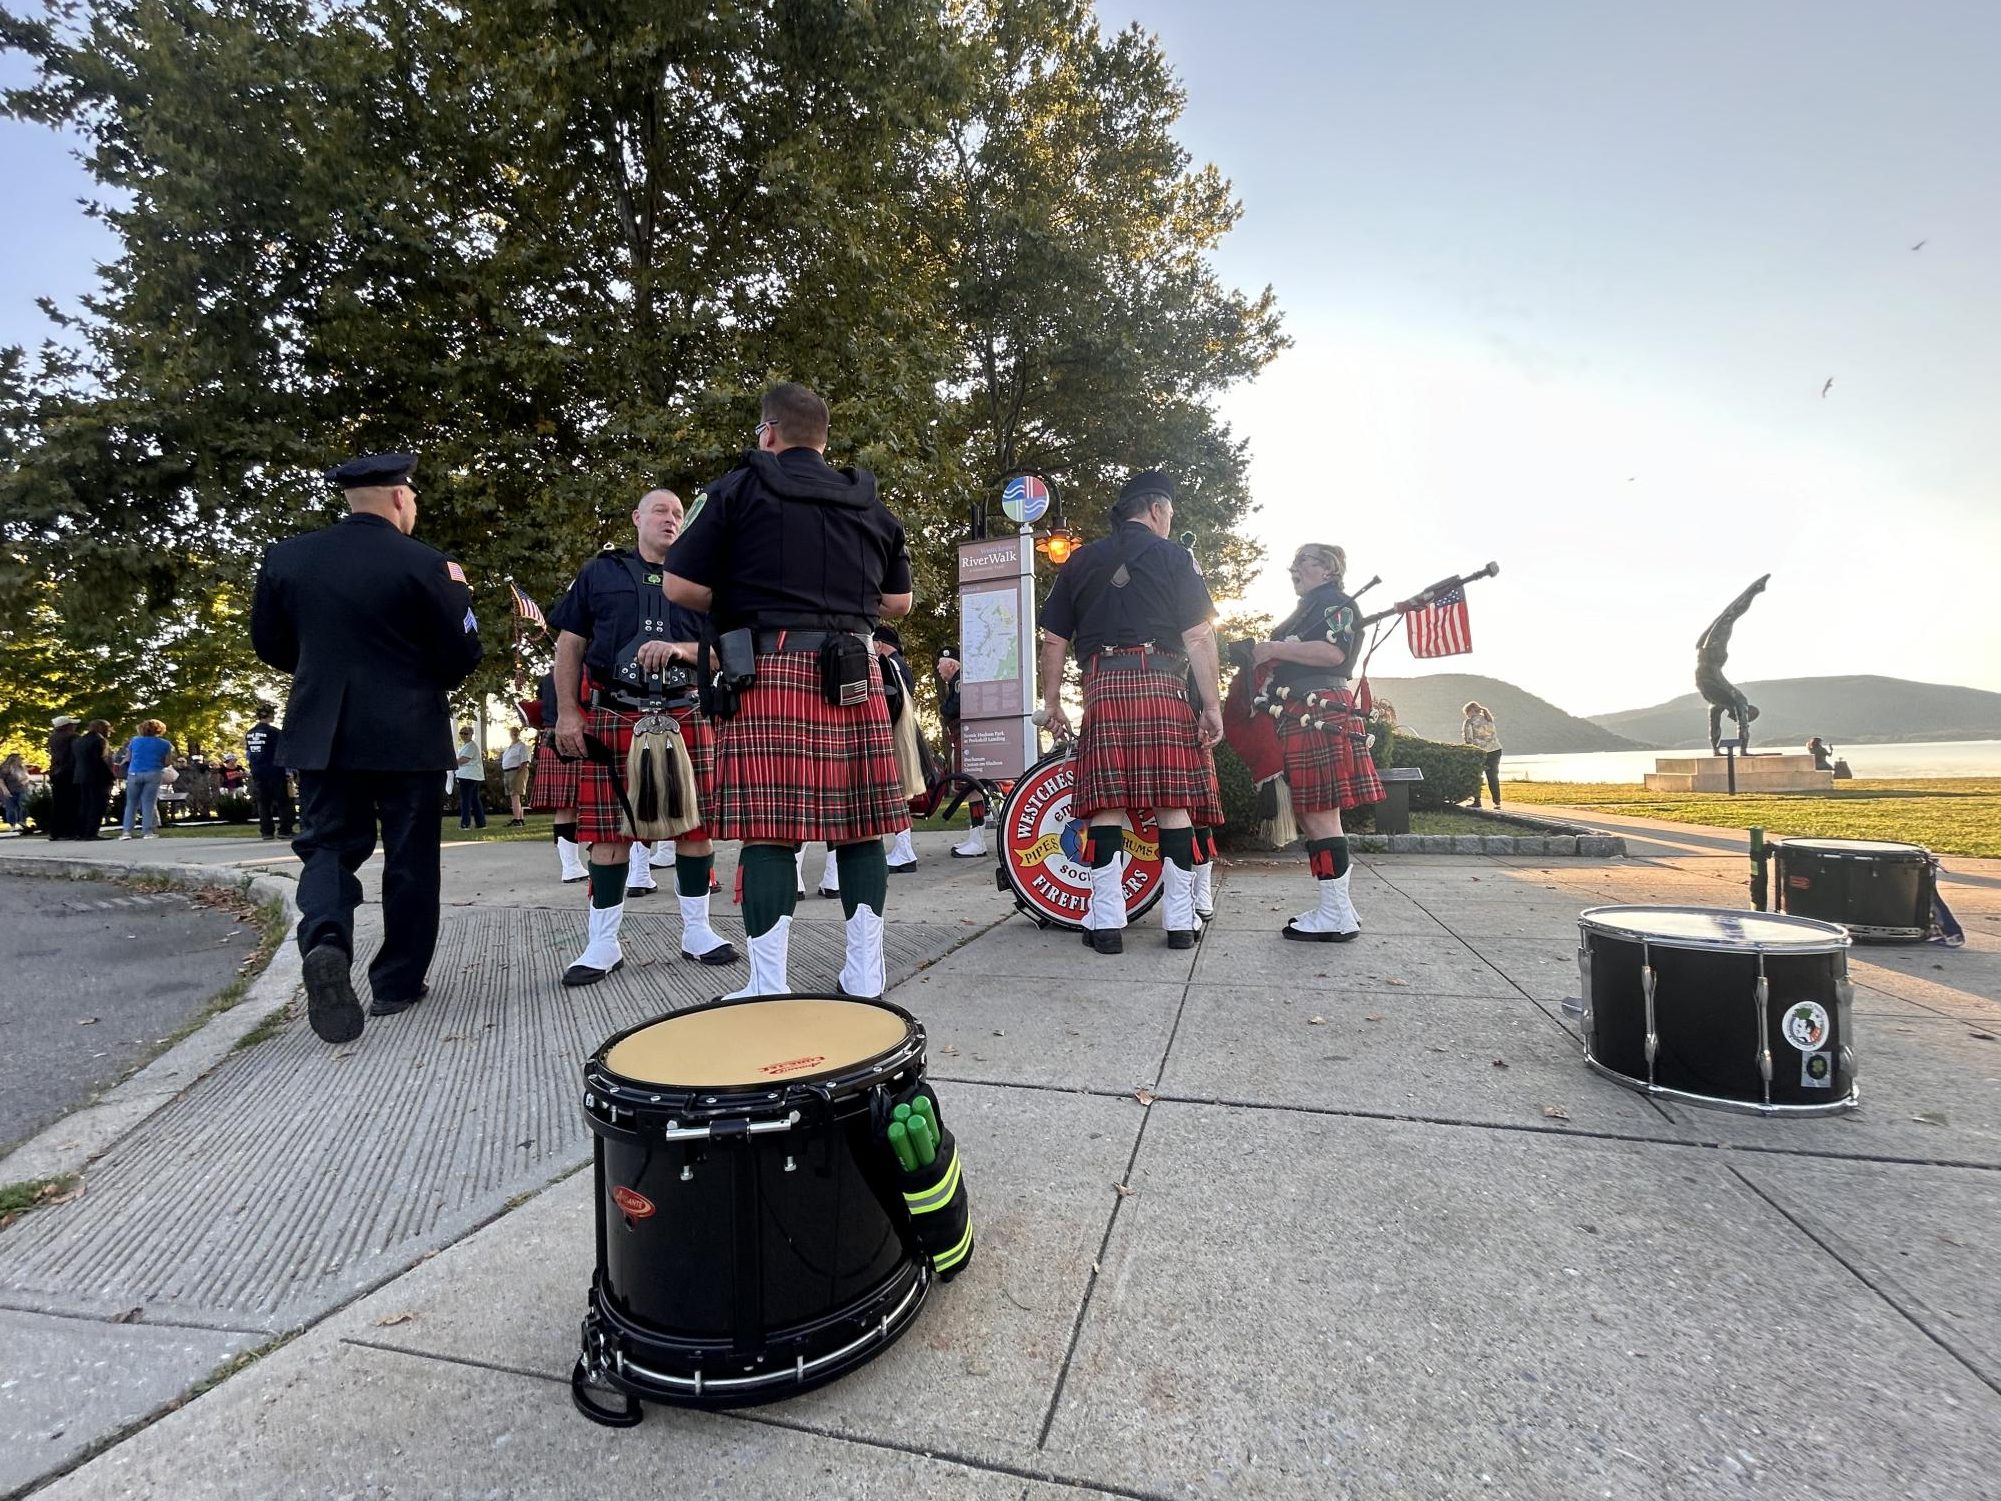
point(1880, 896)
point(746, 1252)
point(1706, 1020)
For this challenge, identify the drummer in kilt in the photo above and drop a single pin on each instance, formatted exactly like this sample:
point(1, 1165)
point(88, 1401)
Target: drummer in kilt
point(797, 561)
point(613, 625)
point(1326, 746)
point(1141, 618)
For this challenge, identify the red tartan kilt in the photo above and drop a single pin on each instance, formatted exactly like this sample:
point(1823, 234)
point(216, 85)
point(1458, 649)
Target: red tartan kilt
point(1209, 813)
point(793, 768)
point(598, 813)
point(1138, 747)
point(1327, 770)
point(552, 785)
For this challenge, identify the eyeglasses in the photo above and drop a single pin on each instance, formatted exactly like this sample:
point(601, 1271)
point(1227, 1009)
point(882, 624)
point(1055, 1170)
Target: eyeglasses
point(759, 434)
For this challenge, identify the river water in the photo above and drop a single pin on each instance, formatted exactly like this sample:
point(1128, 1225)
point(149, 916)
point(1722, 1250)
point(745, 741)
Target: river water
point(1949, 758)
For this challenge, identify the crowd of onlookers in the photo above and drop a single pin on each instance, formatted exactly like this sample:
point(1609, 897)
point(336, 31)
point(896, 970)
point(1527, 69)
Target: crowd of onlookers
point(88, 767)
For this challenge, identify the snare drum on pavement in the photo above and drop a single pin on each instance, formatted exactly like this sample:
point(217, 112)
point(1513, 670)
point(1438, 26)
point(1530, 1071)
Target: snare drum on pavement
point(1880, 892)
point(1749, 1011)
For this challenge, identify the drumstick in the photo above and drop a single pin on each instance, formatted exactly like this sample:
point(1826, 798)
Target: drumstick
point(922, 1106)
point(899, 1142)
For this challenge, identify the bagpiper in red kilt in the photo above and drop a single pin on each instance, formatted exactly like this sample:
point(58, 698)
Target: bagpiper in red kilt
point(552, 785)
point(1138, 747)
point(599, 815)
point(1329, 770)
point(791, 767)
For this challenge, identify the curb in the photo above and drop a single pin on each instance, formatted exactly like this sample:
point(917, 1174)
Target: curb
point(1591, 846)
point(65, 1146)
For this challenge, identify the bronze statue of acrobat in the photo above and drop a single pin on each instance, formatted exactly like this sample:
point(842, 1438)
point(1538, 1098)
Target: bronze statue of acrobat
point(1722, 695)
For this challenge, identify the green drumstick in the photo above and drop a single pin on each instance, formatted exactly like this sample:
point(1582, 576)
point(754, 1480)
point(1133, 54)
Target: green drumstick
point(922, 1106)
point(900, 1113)
point(899, 1142)
point(922, 1141)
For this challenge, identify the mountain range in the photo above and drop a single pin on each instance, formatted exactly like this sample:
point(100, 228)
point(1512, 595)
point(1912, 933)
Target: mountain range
point(1856, 710)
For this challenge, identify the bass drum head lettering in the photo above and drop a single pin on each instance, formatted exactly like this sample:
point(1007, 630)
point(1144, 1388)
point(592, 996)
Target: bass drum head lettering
point(1042, 849)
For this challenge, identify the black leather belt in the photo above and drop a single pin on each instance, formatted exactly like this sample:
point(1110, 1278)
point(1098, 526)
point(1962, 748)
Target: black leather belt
point(800, 640)
point(1138, 659)
point(603, 700)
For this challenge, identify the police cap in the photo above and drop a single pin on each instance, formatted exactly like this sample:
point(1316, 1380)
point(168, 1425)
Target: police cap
point(372, 470)
point(950, 649)
point(887, 635)
point(1141, 490)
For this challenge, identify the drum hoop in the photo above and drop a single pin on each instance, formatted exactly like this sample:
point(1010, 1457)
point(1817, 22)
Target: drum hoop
point(1846, 1103)
point(1894, 851)
point(1835, 936)
point(704, 1100)
point(1066, 752)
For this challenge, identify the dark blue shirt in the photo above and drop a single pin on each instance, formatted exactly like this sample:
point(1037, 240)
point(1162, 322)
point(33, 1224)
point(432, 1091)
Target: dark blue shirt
point(605, 607)
point(260, 745)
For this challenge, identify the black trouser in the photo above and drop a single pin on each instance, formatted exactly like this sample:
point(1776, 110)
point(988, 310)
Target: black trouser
point(472, 810)
point(1492, 765)
point(338, 814)
point(274, 803)
point(92, 801)
point(64, 806)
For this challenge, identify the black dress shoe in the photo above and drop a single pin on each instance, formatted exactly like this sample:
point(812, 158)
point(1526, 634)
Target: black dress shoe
point(1289, 931)
point(1107, 940)
point(847, 994)
point(332, 1008)
point(1182, 938)
point(380, 1007)
point(642, 890)
point(722, 953)
point(904, 869)
point(583, 974)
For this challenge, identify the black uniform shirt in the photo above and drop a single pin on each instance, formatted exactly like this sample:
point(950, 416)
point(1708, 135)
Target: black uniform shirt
point(260, 744)
point(1163, 596)
point(788, 540)
point(605, 608)
point(1325, 613)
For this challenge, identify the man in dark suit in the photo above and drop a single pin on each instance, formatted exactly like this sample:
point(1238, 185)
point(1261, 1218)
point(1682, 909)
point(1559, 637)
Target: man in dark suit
point(375, 628)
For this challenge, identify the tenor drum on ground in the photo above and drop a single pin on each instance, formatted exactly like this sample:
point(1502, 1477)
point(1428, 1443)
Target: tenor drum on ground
point(1880, 892)
point(1748, 1011)
point(749, 1245)
point(1042, 855)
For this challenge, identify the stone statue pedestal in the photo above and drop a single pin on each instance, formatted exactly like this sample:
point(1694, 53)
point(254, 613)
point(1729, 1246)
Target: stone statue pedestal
point(1754, 774)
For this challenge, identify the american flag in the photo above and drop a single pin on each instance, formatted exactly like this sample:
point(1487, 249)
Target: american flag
point(526, 608)
point(1441, 628)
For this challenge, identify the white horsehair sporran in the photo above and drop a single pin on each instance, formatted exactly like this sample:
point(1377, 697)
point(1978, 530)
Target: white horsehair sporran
point(660, 778)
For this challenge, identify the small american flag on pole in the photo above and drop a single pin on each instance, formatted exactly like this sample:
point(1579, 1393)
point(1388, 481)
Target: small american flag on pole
point(526, 608)
point(1441, 628)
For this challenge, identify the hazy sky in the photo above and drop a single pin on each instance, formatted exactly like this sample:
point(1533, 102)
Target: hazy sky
point(1565, 282)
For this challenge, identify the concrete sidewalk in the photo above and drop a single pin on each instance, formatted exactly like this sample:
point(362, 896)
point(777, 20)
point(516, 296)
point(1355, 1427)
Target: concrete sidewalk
point(1257, 1219)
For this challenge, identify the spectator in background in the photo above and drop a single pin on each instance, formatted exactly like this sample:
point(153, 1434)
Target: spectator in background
point(268, 787)
point(147, 755)
point(1822, 753)
point(90, 769)
point(232, 778)
point(63, 807)
point(514, 771)
point(1480, 732)
point(13, 790)
point(173, 798)
point(471, 774)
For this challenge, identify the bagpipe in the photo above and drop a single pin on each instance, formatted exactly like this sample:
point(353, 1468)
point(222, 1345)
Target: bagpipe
point(1255, 706)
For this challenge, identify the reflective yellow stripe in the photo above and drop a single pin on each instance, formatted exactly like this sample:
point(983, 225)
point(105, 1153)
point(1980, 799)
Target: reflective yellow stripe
point(935, 1198)
point(951, 1258)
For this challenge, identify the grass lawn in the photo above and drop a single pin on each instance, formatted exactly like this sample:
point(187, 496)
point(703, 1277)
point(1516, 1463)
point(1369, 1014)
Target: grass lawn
point(1948, 816)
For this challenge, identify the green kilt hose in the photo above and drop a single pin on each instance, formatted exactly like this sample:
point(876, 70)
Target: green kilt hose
point(552, 786)
point(599, 815)
point(1329, 770)
point(1138, 747)
point(792, 768)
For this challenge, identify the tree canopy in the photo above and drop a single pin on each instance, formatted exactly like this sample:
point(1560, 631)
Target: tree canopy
point(558, 250)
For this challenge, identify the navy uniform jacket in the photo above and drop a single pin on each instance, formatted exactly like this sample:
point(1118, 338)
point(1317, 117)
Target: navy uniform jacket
point(1163, 595)
point(375, 627)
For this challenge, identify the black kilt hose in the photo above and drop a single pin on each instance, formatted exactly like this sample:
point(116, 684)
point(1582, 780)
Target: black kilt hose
point(1138, 747)
point(1329, 770)
point(552, 786)
point(792, 768)
point(598, 812)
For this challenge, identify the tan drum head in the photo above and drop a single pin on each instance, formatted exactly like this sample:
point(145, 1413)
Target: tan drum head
point(755, 1043)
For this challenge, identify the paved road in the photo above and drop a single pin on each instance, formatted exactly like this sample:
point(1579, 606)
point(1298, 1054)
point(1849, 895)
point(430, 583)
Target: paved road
point(140, 962)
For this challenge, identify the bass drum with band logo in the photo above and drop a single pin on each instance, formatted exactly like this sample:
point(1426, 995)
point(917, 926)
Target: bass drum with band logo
point(1041, 849)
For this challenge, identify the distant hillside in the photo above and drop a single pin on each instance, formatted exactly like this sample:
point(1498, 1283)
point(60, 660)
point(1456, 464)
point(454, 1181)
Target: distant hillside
point(1529, 726)
point(1848, 710)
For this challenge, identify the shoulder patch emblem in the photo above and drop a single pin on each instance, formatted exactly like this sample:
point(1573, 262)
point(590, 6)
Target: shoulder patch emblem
point(1339, 619)
point(453, 572)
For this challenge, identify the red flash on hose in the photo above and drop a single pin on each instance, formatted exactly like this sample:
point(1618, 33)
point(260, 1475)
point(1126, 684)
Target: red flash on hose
point(1323, 865)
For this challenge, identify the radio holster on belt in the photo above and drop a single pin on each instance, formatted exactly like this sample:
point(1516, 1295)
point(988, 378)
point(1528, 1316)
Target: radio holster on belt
point(844, 669)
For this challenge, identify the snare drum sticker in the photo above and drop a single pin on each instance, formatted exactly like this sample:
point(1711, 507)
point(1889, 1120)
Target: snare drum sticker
point(635, 1206)
point(1817, 1071)
point(1806, 1026)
